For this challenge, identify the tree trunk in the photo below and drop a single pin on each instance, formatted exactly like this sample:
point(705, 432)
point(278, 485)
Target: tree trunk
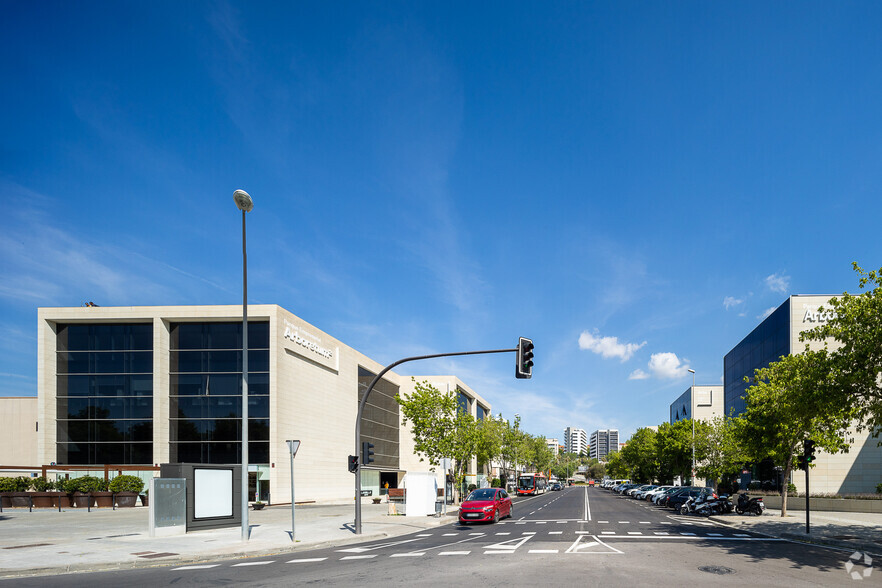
point(786, 481)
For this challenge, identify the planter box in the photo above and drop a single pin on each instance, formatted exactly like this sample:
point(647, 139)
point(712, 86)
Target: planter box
point(63, 498)
point(145, 500)
point(82, 500)
point(103, 499)
point(43, 499)
point(21, 499)
point(6, 499)
point(126, 499)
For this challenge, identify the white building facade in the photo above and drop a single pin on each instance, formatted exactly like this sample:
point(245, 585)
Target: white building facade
point(602, 442)
point(152, 385)
point(575, 440)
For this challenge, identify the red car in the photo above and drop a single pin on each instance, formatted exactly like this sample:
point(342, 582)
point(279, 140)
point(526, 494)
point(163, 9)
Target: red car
point(485, 504)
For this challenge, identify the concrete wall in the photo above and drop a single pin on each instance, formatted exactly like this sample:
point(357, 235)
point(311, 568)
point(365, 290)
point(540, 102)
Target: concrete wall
point(18, 431)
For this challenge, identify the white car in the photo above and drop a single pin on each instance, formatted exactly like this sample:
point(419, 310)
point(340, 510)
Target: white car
point(655, 492)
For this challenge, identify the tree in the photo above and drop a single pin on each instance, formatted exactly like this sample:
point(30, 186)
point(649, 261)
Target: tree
point(616, 466)
point(675, 450)
point(856, 326)
point(438, 429)
point(640, 455)
point(719, 447)
point(513, 446)
point(791, 400)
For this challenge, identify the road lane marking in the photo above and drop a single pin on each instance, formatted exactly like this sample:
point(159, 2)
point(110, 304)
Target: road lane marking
point(587, 508)
point(205, 567)
point(371, 556)
point(741, 535)
point(661, 532)
point(454, 553)
point(634, 533)
point(378, 546)
point(544, 551)
point(424, 535)
point(503, 533)
point(478, 534)
point(253, 563)
point(449, 535)
point(555, 532)
point(411, 554)
point(687, 533)
point(714, 534)
point(540, 522)
point(607, 532)
point(644, 523)
point(307, 560)
point(603, 522)
point(624, 522)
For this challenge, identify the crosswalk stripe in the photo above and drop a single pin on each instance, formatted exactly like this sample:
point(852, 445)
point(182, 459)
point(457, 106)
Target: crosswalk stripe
point(412, 554)
point(307, 560)
point(359, 557)
point(454, 553)
point(252, 563)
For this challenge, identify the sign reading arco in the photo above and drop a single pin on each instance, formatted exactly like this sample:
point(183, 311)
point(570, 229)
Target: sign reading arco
point(307, 340)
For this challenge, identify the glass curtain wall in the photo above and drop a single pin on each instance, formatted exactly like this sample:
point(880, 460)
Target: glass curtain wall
point(104, 397)
point(379, 421)
point(205, 365)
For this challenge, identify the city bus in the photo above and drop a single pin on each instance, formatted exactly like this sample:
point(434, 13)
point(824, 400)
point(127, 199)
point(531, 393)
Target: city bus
point(532, 484)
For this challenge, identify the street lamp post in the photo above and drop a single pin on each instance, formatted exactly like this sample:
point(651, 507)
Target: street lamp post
point(245, 204)
point(692, 418)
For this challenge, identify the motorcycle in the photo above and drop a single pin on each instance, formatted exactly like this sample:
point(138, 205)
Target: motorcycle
point(746, 504)
point(726, 505)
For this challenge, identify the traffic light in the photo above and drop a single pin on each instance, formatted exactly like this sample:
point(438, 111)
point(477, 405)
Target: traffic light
point(367, 452)
point(524, 366)
point(803, 464)
point(353, 463)
point(808, 450)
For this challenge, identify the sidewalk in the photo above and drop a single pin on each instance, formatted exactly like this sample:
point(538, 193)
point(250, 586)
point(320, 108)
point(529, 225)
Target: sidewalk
point(46, 541)
point(848, 530)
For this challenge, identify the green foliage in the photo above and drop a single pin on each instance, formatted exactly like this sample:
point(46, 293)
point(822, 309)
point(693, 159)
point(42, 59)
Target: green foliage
point(791, 400)
point(718, 449)
point(616, 466)
point(69, 485)
point(439, 429)
point(89, 484)
point(857, 359)
point(496, 483)
point(473, 487)
point(879, 488)
point(641, 455)
point(17, 484)
point(126, 483)
point(791, 489)
point(41, 484)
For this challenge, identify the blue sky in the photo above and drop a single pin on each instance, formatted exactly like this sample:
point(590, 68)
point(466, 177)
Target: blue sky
point(632, 185)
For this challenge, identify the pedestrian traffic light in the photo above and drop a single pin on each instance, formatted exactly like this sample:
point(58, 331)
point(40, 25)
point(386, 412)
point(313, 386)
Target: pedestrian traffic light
point(803, 464)
point(367, 453)
point(524, 366)
point(808, 449)
point(353, 463)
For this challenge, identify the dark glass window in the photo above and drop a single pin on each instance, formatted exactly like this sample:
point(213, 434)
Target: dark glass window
point(104, 400)
point(379, 420)
point(205, 403)
point(462, 402)
point(767, 343)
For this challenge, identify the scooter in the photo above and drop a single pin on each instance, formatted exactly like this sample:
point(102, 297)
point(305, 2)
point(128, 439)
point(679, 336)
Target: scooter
point(725, 504)
point(746, 504)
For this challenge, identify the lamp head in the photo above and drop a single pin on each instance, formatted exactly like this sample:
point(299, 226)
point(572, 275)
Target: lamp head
point(243, 200)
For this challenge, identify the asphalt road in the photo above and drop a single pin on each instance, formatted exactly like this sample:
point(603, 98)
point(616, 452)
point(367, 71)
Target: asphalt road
point(577, 535)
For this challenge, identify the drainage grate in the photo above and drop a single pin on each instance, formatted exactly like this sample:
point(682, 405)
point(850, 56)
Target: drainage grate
point(25, 546)
point(718, 570)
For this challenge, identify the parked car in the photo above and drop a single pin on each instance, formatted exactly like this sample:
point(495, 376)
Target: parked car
point(693, 492)
point(625, 487)
point(485, 504)
point(640, 493)
point(662, 497)
point(654, 492)
point(666, 498)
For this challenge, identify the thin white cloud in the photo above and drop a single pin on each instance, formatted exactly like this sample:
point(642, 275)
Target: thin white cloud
point(730, 301)
point(638, 374)
point(778, 282)
point(608, 346)
point(766, 313)
point(667, 365)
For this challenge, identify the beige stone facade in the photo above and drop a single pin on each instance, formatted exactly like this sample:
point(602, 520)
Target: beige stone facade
point(313, 396)
point(18, 431)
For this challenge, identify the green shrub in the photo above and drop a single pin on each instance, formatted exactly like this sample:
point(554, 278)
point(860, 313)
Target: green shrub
point(126, 484)
point(879, 488)
point(90, 484)
point(755, 485)
point(791, 489)
point(41, 484)
point(497, 483)
point(472, 487)
point(18, 484)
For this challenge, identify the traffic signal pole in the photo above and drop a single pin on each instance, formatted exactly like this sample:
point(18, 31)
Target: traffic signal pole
point(361, 405)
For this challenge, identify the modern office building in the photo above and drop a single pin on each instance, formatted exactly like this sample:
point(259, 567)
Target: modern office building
point(553, 445)
point(575, 440)
point(702, 403)
point(602, 442)
point(857, 471)
point(151, 385)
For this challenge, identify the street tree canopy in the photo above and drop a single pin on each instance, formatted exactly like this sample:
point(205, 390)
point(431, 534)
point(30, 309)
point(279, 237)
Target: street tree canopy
point(857, 359)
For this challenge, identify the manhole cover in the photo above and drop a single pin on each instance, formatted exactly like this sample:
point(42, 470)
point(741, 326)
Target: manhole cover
point(718, 570)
